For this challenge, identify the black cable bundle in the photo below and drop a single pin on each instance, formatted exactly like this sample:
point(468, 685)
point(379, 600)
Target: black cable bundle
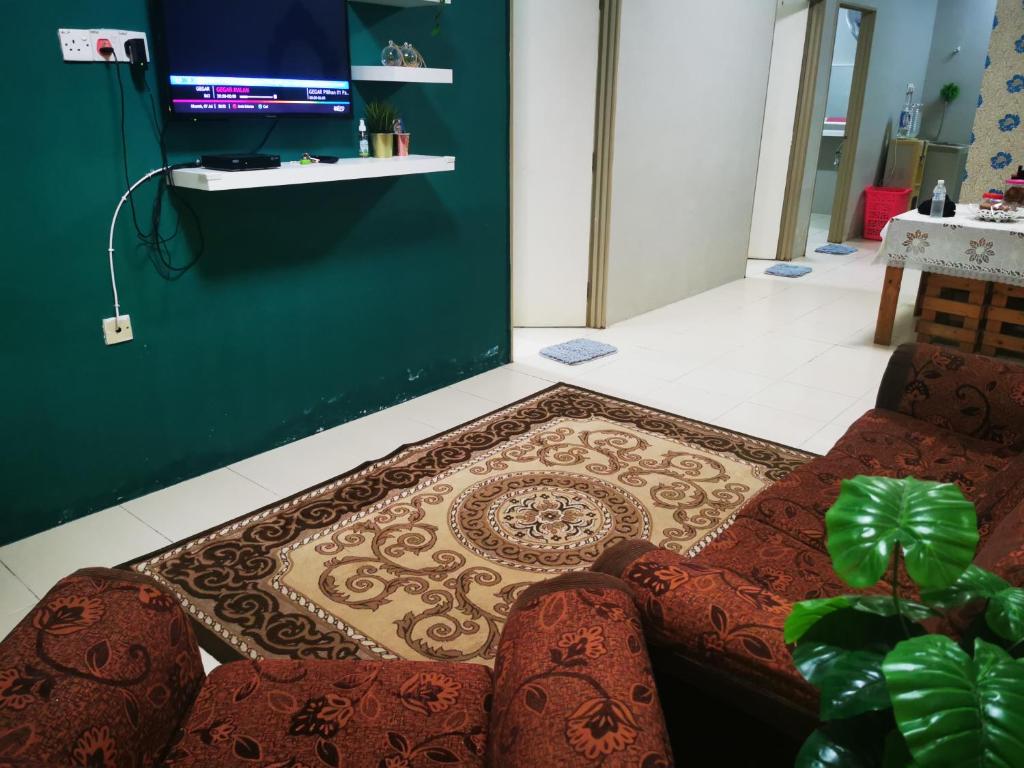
point(154, 240)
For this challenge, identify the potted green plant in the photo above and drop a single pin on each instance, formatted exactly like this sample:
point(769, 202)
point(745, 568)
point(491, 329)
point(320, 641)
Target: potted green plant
point(948, 94)
point(380, 121)
point(893, 694)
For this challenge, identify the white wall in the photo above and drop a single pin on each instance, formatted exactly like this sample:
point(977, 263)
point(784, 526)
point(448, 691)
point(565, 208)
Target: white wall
point(691, 95)
point(777, 134)
point(966, 24)
point(554, 82)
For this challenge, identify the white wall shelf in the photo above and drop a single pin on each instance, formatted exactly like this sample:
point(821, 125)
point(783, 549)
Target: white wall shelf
point(381, 74)
point(834, 133)
point(404, 3)
point(346, 169)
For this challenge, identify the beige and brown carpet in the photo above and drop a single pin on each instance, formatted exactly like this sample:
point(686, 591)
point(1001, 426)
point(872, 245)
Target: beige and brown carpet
point(421, 555)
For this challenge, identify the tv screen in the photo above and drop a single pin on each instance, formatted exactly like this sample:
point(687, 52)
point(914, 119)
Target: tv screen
point(255, 57)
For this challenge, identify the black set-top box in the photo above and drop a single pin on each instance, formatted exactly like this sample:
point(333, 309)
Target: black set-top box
point(240, 162)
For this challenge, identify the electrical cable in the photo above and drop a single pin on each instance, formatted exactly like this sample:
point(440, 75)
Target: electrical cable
point(154, 240)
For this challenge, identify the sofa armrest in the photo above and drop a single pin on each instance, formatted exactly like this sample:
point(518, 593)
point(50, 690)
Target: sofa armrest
point(710, 618)
point(573, 682)
point(101, 672)
point(972, 395)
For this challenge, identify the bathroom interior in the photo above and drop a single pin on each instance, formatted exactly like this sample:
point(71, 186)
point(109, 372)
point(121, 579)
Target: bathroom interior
point(945, 78)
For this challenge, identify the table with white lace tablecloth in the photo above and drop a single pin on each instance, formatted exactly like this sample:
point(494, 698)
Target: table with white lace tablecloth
point(960, 246)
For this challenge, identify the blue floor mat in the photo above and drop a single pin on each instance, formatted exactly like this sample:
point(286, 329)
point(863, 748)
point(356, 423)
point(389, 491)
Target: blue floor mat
point(787, 270)
point(834, 249)
point(578, 351)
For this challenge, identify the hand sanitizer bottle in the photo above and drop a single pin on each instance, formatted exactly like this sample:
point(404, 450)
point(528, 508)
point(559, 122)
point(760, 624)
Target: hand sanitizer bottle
point(364, 140)
point(939, 200)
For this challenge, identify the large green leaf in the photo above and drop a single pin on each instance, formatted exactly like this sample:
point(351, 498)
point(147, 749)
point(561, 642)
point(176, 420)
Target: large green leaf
point(934, 524)
point(807, 613)
point(957, 711)
point(1005, 612)
point(823, 750)
point(851, 682)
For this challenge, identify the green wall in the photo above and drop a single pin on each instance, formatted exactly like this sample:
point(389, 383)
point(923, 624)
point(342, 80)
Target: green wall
point(312, 305)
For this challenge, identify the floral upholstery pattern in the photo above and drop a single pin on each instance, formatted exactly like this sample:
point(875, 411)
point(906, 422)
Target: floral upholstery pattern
point(974, 395)
point(942, 416)
point(892, 444)
point(105, 673)
point(338, 714)
point(99, 674)
point(573, 682)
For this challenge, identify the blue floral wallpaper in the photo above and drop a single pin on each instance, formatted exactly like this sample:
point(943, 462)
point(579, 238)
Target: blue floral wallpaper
point(997, 143)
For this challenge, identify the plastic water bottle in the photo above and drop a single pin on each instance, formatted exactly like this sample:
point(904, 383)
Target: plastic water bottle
point(939, 200)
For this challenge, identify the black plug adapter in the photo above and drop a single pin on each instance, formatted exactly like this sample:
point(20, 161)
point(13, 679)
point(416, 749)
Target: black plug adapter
point(135, 49)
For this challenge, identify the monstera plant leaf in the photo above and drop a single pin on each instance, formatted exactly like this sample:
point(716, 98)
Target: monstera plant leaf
point(933, 523)
point(955, 710)
point(807, 613)
point(851, 682)
point(1005, 612)
point(855, 743)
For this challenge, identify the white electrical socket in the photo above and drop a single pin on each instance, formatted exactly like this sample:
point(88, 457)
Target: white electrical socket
point(75, 44)
point(117, 330)
point(82, 44)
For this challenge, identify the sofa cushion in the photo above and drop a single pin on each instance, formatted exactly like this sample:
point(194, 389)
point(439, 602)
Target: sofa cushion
point(893, 445)
point(1003, 552)
point(354, 714)
point(100, 673)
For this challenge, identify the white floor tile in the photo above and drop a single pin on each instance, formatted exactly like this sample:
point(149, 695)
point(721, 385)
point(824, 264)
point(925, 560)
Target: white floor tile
point(106, 538)
point(503, 385)
point(378, 435)
point(10, 619)
point(770, 424)
point(445, 408)
point(298, 465)
point(203, 502)
point(818, 404)
point(849, 371)
point(14, 596)
point(725, 380)
point(775, 355)
point(690, 401)
point(824, 439)
point(209, 663)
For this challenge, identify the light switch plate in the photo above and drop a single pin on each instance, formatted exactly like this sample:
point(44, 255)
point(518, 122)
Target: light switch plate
point(117, 330)
point(80, 44)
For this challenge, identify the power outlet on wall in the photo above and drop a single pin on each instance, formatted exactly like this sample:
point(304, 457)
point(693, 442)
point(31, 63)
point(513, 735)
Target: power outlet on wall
point(83, 44)
point(75, 44)
point(117, 330)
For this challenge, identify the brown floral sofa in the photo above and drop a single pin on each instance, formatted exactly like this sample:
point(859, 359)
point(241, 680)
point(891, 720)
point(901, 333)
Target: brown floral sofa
point(105, 672)
point(717, 618)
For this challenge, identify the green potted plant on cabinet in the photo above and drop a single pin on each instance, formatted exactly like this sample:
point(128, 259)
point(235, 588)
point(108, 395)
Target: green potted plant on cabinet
point(948, 94)
point(893, 694)
point(380, 121)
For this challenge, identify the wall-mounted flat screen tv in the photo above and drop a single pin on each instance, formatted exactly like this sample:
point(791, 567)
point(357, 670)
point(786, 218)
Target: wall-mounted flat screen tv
point(231, 58)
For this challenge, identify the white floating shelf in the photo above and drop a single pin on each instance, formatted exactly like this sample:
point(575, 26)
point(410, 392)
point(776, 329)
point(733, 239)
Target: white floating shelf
point(834, 133)
point(402, 74)
point(346, 169)
point(404, 3)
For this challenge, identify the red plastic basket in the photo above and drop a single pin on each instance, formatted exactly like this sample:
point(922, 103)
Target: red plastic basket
point(880, 205)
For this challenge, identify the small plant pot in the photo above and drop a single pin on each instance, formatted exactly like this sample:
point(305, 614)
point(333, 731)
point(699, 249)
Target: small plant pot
point(383, 144)
point(402, 144)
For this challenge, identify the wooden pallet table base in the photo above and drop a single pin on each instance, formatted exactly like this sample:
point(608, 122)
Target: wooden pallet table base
point(952, 309)
point(1004, 321)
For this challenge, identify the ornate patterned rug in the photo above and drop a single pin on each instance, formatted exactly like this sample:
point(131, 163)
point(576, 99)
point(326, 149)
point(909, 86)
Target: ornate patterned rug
point(420, 555)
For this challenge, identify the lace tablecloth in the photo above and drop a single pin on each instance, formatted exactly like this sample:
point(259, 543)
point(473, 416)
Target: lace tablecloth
point(962, 246)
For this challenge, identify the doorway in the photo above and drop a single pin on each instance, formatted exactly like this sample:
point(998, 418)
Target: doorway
point(827, 128)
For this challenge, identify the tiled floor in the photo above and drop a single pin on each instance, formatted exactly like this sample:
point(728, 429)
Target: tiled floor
point(790, 360)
